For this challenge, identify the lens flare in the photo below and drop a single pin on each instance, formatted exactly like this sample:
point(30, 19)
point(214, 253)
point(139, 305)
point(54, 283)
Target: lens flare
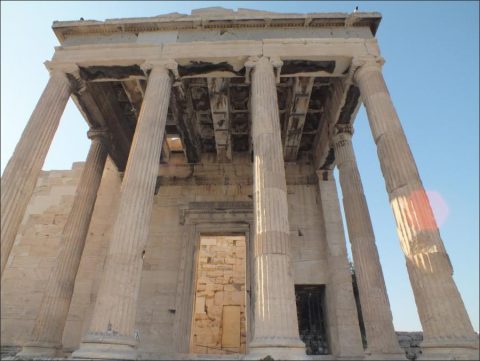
point(439, 207)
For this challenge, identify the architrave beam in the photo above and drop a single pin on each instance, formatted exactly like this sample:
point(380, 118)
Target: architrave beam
point(297, 112)
point(218, 93)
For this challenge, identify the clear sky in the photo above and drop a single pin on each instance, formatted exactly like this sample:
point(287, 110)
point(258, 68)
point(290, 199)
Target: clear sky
point(432, 71)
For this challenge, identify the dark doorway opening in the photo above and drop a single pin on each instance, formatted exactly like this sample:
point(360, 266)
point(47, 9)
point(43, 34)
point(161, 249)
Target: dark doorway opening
point(311, 318)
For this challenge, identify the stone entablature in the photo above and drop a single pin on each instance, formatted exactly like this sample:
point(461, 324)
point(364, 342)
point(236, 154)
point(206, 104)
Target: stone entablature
point(215, 18)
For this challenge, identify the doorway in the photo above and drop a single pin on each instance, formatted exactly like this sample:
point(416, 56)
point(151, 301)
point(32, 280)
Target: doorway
point(311, 318)
point(219, 315)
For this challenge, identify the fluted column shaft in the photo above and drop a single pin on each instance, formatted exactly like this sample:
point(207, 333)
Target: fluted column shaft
point(48, 330)
point(275, 307)
point(440, 307)
point(22, 171)
point(377, 316)
point(345, 338)
point(111, 331)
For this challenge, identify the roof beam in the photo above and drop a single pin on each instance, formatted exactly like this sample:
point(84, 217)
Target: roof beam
point(99, 107)
point(323, 149)
point(107, 102)
point(302, 89)
point(341, 108)
point(184, 116)
point(134, 94)
point(218, 92)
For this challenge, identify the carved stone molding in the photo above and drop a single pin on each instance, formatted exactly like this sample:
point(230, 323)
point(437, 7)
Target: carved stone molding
point(71, 71)
point(252, 61)
point(204, 212)
point(346, 129)
point(101, 135)
point(362, 64)
point(169, 64)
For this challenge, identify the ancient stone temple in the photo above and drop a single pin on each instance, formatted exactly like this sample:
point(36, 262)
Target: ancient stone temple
point(205, 219)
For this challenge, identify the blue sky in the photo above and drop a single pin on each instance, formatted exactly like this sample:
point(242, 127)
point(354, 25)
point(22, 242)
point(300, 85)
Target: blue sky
point(432, 71)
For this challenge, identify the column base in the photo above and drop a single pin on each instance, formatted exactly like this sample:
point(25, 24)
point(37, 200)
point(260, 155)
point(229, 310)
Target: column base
point(276, 353)
point(40, 350)
point(106, 347)
point(352, 357)
point(279, 348)
point(385, 356)
point(466, 349)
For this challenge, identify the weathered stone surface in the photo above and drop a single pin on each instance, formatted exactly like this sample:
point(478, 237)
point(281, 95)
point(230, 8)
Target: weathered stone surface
point(22, 171)
point(275, 322)
point(214, 294)
point(111, 331)
point(440, 306)
point(344, 328)
point(410, 343)
point(46, 338)
point(375, 308)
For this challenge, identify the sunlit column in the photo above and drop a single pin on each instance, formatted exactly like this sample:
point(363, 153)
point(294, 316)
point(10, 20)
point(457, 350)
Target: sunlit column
point(21, 173)
point(345, 340)
point(446, 325)
point(46, 338)
point(111, 331)
point(275, 313)
point(377, 316)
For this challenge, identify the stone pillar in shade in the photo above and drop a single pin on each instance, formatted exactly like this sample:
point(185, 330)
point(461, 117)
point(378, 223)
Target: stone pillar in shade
point(377, 316)
point(275, 314)
point(46, 338)
point(22, 171)
point(345, 338)
point(447, 329)
point(111, 331)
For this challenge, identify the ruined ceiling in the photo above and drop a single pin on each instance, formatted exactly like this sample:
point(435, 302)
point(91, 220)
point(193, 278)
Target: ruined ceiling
point(209, 114)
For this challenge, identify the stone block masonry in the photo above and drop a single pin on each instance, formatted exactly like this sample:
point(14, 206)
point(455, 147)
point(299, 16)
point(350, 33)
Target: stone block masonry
point(220, 289)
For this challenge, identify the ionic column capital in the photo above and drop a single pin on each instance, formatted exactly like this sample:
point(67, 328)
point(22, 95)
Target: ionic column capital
point(343, 133)
point(100, 135)
point(342, 145)
point(71, 73)
point(325, 174)
point(168, 65)
point(65, 68)
point(363, 64)
point(253, 61)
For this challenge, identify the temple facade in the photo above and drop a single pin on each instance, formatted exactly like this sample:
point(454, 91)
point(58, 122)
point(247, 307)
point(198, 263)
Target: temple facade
point(205, 219)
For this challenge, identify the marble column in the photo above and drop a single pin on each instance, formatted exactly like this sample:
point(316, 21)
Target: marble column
point(46, 338)
point(447, 329)
point(377, 316)
point(111, 331)
point(275, 315)
point(22, 171)
point(345, 340)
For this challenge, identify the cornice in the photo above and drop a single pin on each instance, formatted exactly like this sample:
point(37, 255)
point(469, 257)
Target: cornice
point(216, 19)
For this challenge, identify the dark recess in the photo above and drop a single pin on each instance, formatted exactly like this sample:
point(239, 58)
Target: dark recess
point(356, 294)
point(319, 97)
point(329, 160)
point(239, 122)
point(239, 97)
point(311, 318)
point(307, 66)
point(110, 72)
point(208, 145)
point(351, 101)
point(203, 67)
point(240, 142)
point(312, 121)
point(306, 142)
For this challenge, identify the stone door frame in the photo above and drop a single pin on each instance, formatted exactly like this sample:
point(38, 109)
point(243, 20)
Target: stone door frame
point(209, 218)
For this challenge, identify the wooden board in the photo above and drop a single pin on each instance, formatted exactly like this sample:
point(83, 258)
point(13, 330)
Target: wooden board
point(231, 326)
